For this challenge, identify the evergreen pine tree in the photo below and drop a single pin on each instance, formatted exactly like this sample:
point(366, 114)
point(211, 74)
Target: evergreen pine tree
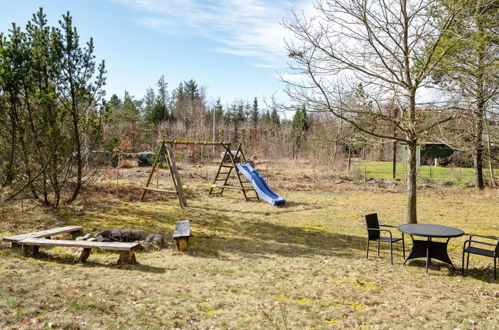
point(255, 113)
point(300, 125)
point(274, 118)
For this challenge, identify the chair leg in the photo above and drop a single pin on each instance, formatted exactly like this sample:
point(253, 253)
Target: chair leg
point(468, 261)
point(391, 251)
point(367, 250)
point(495, 270)
point(403, 245)
point(378, 249)
point(462, 264)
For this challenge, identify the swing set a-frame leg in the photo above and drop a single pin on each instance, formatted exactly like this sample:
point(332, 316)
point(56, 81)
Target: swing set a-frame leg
point(167, 151)
point(156, 160)
point(176, 178)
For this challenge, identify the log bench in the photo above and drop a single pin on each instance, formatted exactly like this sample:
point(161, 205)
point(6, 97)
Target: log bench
point(181, 234)
point(73, 230)
point(31, 246)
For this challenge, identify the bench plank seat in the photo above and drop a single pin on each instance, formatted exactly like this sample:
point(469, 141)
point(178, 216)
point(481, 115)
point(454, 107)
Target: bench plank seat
point(182, 229)
point(117, 246)
point(43, 233)
point(127, 255)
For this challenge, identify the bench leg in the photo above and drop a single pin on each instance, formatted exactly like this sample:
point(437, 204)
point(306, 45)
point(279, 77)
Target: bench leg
point(182, 244)
point(127, 257)
point(27, 250)
point(15, 245)
point(84, 255)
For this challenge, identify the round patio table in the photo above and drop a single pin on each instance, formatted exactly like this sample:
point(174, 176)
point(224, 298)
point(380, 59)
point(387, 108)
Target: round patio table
point(428, 248)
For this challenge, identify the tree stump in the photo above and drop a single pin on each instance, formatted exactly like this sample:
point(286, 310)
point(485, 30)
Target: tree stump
point(182, 243)
point(127, 257)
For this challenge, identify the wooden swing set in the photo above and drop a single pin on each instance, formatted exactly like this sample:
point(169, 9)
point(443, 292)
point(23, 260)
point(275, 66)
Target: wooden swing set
point(221, 181)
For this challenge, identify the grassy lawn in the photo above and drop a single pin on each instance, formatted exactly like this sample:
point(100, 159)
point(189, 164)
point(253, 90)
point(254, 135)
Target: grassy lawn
point(252, 265)
point(383, 170)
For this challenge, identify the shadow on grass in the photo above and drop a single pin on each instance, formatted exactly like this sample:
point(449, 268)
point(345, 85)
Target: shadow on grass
point(252, 239)
point(216, 234)
point(433, 266)
point(67, 259)
point(289, 207)
point(484, 275)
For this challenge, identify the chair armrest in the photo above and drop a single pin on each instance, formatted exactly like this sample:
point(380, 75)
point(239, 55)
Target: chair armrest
point(484, 236)
point(386, 230)
point(388, 226)
point(478, 242)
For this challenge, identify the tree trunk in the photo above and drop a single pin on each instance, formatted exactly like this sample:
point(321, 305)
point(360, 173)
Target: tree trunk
point(77, 144)
point(394, 153)
point(411, 181)
point(9, 171)
point(478, 117)
point(478, 146)
point(478, 164)
point(493, 181)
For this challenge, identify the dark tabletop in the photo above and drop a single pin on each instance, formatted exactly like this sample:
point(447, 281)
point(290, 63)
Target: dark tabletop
point(431, 230)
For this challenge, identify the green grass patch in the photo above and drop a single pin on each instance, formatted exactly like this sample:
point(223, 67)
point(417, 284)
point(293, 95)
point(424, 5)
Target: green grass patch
point(384, 170)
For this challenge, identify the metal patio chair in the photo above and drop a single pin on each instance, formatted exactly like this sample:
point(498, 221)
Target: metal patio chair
point(493, 253)
point(374, 234)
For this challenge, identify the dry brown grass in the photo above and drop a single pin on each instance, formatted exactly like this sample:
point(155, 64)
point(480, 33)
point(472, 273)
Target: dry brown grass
point(251, 265)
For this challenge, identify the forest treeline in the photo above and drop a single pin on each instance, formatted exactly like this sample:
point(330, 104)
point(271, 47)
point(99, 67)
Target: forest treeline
point(183, 113)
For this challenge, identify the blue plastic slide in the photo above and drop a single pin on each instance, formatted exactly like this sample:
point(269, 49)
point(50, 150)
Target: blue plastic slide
point(260, 185)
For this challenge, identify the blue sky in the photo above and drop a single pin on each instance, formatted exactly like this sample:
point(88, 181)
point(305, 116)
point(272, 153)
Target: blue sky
point(233, 48)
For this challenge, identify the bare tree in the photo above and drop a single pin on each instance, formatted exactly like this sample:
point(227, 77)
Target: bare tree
point(353, 57)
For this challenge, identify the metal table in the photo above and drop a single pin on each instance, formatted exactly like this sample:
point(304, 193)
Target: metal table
point(428, 248)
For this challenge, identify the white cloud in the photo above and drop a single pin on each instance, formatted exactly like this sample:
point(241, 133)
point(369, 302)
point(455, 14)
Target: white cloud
point(249, 28)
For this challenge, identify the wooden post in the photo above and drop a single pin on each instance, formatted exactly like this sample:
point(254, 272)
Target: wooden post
point(349, 160)
point(365, 177)
point(214, 133)
point(182, 244)
point(127, 257)
point(117, 176)
point(27, 250)
point(84, 255)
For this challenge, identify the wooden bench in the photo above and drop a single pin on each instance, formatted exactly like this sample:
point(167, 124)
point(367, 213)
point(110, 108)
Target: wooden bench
point(127, 255)
point(73, 230)
point(181, 234)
